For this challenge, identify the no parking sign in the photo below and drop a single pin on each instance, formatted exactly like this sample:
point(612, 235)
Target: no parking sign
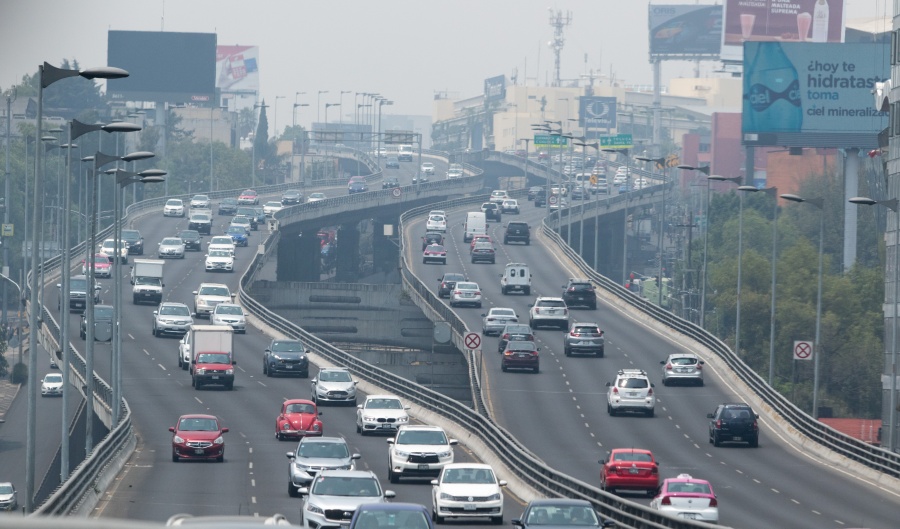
point(803, 350)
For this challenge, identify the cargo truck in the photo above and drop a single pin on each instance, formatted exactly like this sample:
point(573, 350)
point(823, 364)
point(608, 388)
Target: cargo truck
point(210, 355)
point(147, 278)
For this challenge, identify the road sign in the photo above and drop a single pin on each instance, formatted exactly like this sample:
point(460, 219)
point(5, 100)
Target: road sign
point(803, 350)
point(8, 230)
point(442, 332)
point(396, 192)
point(619, 141)
point(593, 179)
point(546, 140)
point(672, 160)
point(473, 341)
point(552, 199)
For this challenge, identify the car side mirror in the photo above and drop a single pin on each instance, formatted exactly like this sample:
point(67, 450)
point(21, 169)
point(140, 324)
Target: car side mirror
point(224, 430)
point(290, 455)
point(359, 406)
point(601, 461)
point(314, 381)
point(434, 482)
point(608, 384)
point(484, 315)
point(234, 362)
point(702, 362)
point(390, 441)
point(356, 456)
point(454, 442)
point(662, 362)
point(171, 428)
point(710, 415)
point(155, 312)
point(652, 385)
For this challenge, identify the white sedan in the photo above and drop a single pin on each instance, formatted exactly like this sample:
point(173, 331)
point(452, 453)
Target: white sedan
point(380, 413)
point(271, 208)
point(496, 319)
point(315, 197)
point(465, 293)
point(427, 168)
point(52, 384)
point(467, 490)
point(221, 242)
point(436, 223)
point(174, 208)
point(220, 260)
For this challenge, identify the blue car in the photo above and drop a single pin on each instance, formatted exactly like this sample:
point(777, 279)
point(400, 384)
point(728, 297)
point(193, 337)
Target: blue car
point(238, 235)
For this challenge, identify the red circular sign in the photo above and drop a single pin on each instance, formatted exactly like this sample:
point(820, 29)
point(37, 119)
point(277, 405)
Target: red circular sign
point(473, 341)
point(803, 350)
point(553, 199)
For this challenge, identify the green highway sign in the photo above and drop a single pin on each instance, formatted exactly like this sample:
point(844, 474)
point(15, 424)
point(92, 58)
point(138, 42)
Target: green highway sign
point(545, 140)
point(619, 141)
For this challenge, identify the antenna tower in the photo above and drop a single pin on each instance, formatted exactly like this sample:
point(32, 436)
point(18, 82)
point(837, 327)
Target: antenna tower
point(558, 22)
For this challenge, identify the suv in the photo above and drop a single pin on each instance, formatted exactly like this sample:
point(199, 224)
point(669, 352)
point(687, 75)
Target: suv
point(78, 286)
point(491, 210)
point(202, 222)
point(483, 251)
point(498, 196)
point(580, 293)
point(315, 454)
point(332, 498)
point(549, 311)
point(287, 357)
point(432, 237)
point(517, 232)
point(208, 295)
point(733, 423)
point(418, 450)
point(134, 241)
point(632, 391)
point(584, 338)
point(250, 213)
point(448, 283)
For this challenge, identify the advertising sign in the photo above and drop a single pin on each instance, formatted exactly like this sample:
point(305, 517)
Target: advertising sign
point(237, 68)
point(812, 95)
point(495, 88)
point(780, 21)
point(597, 112)
point(685, 31)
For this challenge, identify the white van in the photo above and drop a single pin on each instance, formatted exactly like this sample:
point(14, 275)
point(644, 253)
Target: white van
point(516, 278)
point(476, 224)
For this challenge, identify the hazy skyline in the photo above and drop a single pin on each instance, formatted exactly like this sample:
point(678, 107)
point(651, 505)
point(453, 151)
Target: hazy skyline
point(405, 50)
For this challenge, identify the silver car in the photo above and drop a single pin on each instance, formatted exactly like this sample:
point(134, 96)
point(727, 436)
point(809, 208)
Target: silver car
point(584, 338)
point(682, 367)
point(334, 495)
point(334, 384)
point(172, 318)
point(315, 454)
point(8, 498)
point(229, 314)
point(171, 247)
point(496, 319)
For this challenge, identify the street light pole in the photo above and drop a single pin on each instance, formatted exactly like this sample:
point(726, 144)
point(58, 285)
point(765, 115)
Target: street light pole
point(625, 222)
point(894, 205)
point(662, 223)
point(340, 103)
point(253, 145)
point(319, 104)
point(275, 118)
point(819, 203)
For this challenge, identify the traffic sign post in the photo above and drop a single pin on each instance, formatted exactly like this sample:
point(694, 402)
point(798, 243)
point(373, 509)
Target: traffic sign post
point(472, 340)
point(547, 140)
point(396, 192)
point(619, 141)
point(803, 350)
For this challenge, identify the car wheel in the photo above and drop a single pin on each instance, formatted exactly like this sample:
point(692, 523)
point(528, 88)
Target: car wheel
point(665, 382)
point(278, 436)
point(715, 439)
point(531, 324)
point(497, 520)
point(393, 477)
point(651, 413)
point(174, 457)
point(610, 410)
point(567, 351)
point(600, 353)
point(754, 443)
point(359, 429)
point(700, 382)
point(503, 367)
point(527, 291)
point(536, 370)
point(153, 331)
point(266, 369)
point(220, 459)
point(292, 490)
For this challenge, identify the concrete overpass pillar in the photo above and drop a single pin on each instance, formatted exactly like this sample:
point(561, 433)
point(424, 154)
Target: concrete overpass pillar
point(299, 258)
point(347, 270)
point(385, 253)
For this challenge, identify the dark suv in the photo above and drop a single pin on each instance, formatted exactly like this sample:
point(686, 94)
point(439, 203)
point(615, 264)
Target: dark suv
point(250, 213)
point(517, 232)
point(448, 283)
point(733, 423)
point(540, 199)
point(191, 239)
point(134, 241)
point(491, 211)
point(432, 237)
point(580, 292)
point(286, 357)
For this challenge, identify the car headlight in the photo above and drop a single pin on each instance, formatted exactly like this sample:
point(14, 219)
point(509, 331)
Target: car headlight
point(347, 467)
point(201, 370)
point(219, 440)
point(316, 427)
point(448, 453)
point(403, 419)
point(494, 497)
point(445, 496)
point(368, 419)
point(229, 371)
point(301, 466)
point(178, 440)
point(401, 453)
point(315, 509)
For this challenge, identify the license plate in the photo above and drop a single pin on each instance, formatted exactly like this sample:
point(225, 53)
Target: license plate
point(582, 343)
point(522, 355)
point(386, 425)
point(737, 438)
point(689, 515)
point(468, 295)
point(291, 366)
point(633, 471)
point(215, 377)
point(423, 466)
point(632, 394)
point(469, 507)
point(198, 451)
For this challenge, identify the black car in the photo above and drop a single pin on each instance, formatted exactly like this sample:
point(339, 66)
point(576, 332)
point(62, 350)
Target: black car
point(357, 187)
point(517, 232)
point(291, 197)
point(191, 239)
point(579, 292)
point(390, 182)
point(228, 206)
point(448, 283)
point(540, 198)
point(733, 423)
point(260, 216)
point(420, 179)
point(250, 213)
point(286, 357)
point(134, 241)
point(533, 191)
point(432, 237)
point(483, 252)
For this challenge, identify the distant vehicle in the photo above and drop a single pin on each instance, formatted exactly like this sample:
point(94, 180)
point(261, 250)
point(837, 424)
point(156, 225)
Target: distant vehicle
point(687, 497)
point(559, 513)
point(228, 206)
point(315, 197)
point(390, 182)
point(427, 168)
point(291, 197)
point(134, 241)
point(52, 385)
point(191, 238)
point(272, 207)
point(632, 469)
point(200, 202)
point(733, 423)
point(174, 208)
point(248, 196)
point(392, 163)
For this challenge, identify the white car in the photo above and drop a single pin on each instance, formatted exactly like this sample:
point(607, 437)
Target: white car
point(427, 168)
point(498, 196)
point(631, 391)
point(465, 293)
point(199, 202)
point(687, 498)
point(380, 413)
point(620, 179)
point(436, 223)
point(640, 183)
point(510, 205)
point(220, 260)
point(207, 296)
point(171, 247)
point(172, 318)
point(440, 212)
point(272, 207)
point(549, 311)
point(109, 248)
point(242, 221)
point(221, 242)
point(333, 496)
point(559, 203)
point(496, 319)
point(315, 197)
point(559, 190)
point(52, 385)
point(467, 490)
point(419, 450)
point(174, 208)
point(334, 384)
point(229, 314)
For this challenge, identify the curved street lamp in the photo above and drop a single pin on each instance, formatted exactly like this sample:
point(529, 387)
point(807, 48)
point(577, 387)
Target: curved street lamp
point(662, 224)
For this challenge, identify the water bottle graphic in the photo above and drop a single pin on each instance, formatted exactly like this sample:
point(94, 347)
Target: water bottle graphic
point(772, 91)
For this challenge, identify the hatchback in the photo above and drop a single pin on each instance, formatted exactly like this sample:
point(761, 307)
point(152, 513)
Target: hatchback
point(286, 357)
point(432, 237)
point(521, 355)
point(434, 253)
point(579, 293)
point(682, 367)
point(465, 293)
point(733, 423)
point(631, 391)
point(436, 223)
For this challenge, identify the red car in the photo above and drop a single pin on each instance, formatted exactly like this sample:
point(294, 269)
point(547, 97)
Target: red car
point(298, 418)
point(198, 436)
point(248, 196)
point(630, 469)
point(102, 266)
point(436, 253)
point(520, 355)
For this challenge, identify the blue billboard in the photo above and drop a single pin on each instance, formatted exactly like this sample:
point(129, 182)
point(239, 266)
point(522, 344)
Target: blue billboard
point(812, 94)
point(597, 112)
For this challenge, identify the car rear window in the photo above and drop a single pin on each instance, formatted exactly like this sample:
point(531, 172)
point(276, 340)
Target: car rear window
point(520, 346)
point(581, 286)
point(633, 383)
point(587, 329)
point(551, 303)
point(684, 361)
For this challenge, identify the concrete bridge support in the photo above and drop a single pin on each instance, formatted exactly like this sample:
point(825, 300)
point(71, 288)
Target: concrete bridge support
point(299, 258)
point(347, 264)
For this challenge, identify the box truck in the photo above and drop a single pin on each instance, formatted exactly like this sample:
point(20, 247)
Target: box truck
point(147, 278)
point(210, 351)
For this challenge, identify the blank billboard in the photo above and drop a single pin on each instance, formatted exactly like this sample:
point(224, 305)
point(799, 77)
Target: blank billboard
point(164, 66)
point(813, 95)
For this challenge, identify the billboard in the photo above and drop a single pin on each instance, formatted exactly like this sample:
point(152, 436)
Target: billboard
point(685, 31)
point(495, 88)
point(597, 112)
point(165, 66)
point(812, 95)
point(237, 68)
point(780, 21)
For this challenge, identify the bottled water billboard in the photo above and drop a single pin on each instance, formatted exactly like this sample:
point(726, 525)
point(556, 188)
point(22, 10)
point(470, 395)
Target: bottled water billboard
point(772, 88)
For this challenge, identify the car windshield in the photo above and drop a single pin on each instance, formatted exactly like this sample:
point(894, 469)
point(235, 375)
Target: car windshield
point(6, 489)
point(144, 280)
point(175, 310)
point(101, 259)
point(215, 291)
point(237, 230)
point(173, 202)
point(632, 456)
point(503, 313)
point(521, 346)
point(201, 198)
point(200, 216)
point(171, 242)
point(189, 234)
point(229, 309)
point(77, 285)
point(581, 286)
point(466, 286)
point(689, 487)
point(103, 313)
point(468, 475)
point(392, 519)
point(221, 240)
point(517, 329)
point(300, 407)
point(436, 218)
point(317, 195)
point(345, 486)
point(454, 277)
point(213, 358)
point(434, 248)
point(562, 515)
point(198, 424)
point(287, 346)
point(330, 450)
point(335, 376)
point(384, 404)
point(421, 437)
point(131, 235)
point(219, 253)
point(53, 378)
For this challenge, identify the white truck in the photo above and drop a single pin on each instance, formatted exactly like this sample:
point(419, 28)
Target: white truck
point(147, 278)
point(208, 352)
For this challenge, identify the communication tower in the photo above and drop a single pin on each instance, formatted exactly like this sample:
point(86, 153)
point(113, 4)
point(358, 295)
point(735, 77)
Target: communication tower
point(558, 22)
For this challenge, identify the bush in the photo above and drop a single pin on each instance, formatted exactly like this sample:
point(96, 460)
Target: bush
point(19, 374)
